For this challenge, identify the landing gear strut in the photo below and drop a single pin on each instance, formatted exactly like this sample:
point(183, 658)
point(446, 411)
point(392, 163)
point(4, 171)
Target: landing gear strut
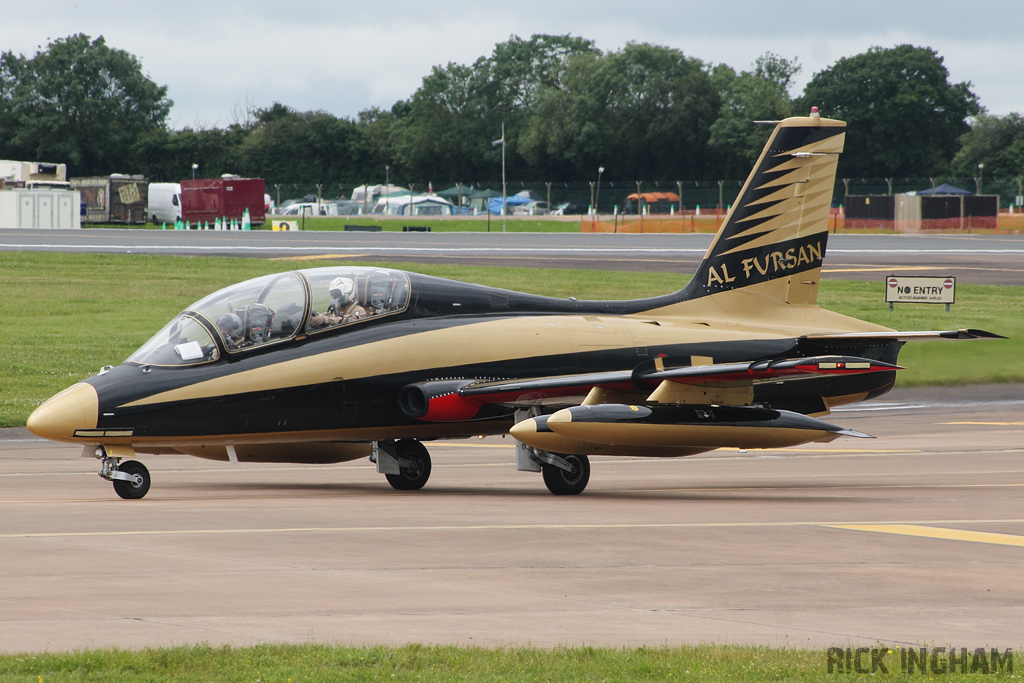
point(405, 463)
point(565, 475)
point(130, 478)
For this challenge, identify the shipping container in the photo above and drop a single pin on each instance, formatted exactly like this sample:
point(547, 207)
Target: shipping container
point(209, 199)
point(116, 198)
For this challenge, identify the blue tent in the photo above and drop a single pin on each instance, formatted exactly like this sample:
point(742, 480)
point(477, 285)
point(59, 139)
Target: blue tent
point(945, 189)
point(494, 203)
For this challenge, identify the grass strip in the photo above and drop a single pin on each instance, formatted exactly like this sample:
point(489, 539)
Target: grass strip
point(66, 315)
point(310, 662)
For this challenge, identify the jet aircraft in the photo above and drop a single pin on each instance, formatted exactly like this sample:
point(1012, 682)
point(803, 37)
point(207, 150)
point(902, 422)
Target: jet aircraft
point(331, 364)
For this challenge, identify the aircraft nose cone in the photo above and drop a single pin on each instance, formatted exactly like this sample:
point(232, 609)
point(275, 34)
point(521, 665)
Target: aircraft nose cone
point(74, 408)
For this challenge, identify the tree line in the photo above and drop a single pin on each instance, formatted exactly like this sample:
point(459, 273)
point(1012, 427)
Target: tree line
point(567, 109)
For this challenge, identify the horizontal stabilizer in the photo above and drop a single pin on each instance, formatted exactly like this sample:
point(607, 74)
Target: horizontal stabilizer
point(902, 336)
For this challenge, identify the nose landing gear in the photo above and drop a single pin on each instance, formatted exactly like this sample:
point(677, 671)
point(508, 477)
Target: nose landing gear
point(131, 478)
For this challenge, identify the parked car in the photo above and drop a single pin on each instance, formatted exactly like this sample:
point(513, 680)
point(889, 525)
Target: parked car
point(306, 208)
point(532, 208)
point(570, 209)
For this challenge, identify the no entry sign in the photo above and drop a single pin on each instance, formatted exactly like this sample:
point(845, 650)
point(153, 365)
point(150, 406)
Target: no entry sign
point(920, 290)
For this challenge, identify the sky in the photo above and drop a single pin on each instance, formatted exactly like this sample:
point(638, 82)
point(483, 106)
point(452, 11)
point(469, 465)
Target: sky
point(220, 58)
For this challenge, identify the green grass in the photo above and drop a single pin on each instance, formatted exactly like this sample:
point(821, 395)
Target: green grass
point(67, 315)
point(297, 663)
point(998, 309)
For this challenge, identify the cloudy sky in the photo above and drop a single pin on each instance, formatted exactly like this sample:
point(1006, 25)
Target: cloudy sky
point(219, 58)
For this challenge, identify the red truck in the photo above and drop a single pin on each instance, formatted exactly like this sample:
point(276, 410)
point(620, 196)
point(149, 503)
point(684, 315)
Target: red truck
point(207, 199)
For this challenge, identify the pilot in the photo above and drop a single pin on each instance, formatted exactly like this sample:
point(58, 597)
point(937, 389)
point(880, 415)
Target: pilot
point(344, 307)
point(230, 326)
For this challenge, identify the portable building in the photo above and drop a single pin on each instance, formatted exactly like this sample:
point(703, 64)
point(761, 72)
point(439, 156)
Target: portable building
point(40, 208)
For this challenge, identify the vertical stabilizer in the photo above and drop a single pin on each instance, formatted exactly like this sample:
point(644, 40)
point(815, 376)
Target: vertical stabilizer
point(773, 240)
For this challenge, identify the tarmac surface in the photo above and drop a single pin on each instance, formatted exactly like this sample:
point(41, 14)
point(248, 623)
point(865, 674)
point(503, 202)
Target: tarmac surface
point(914, 537)
point(975, 259)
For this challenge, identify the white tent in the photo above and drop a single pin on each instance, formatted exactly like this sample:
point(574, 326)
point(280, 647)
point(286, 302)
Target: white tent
point(414, 205)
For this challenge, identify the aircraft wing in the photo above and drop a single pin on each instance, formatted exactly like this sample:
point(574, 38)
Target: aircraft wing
point(452, 400)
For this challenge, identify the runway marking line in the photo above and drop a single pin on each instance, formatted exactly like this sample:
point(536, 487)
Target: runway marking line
point(540, 527)
point(936, 532)
point(987, 424)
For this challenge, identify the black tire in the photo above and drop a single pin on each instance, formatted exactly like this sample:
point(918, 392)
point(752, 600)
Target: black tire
point(563, 483)
point(413, 477)
point(130, 490)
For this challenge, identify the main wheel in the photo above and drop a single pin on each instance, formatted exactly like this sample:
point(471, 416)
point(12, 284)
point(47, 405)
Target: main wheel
point(568, 482)
point(129, 489)
point(415, 472)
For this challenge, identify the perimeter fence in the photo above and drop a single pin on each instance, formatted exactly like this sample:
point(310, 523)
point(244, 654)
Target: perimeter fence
point(613, 196)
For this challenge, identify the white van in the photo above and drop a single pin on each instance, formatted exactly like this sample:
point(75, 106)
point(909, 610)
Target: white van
point(164, 202)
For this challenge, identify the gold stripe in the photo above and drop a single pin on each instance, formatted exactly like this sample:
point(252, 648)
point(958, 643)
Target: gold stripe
point(936, 532)
point(485, 342)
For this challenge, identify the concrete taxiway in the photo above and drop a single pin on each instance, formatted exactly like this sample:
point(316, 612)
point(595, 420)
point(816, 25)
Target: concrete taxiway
point(914, 537)
point(975, 259)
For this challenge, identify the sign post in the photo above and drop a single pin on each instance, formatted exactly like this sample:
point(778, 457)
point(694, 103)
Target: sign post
point(920, 290)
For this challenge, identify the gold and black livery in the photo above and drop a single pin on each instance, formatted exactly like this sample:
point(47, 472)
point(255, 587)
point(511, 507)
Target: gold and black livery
point(331, 364)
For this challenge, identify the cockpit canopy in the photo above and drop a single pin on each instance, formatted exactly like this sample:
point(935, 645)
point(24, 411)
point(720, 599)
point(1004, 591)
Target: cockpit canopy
point(274, 309)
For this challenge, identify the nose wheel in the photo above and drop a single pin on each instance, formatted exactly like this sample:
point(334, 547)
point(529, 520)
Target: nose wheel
point(130, 478)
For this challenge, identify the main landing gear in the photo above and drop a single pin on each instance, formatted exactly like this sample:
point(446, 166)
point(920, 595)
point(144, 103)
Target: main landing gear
point(130, 478)
point(405, 463)
point(564, 475)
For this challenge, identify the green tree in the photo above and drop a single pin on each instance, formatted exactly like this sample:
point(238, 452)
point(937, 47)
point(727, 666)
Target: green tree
point(904, 116)
point(441, 134)
point(446, 129)
point(643, 112)
point(761, 94)
point(78, 102)
point(305, 148)
point(997, 142)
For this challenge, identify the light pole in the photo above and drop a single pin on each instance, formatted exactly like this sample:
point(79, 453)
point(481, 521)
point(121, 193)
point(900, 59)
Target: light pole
point(194, 167)
point(597, 200)
point(387, 188)
point(980, 167)
point(504, 198)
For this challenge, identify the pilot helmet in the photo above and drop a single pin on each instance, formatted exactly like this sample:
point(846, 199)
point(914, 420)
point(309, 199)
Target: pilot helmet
point(229, 324)
point(343, 289)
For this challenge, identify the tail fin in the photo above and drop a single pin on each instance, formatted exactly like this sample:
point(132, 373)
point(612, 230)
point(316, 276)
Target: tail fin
point(773, 240)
